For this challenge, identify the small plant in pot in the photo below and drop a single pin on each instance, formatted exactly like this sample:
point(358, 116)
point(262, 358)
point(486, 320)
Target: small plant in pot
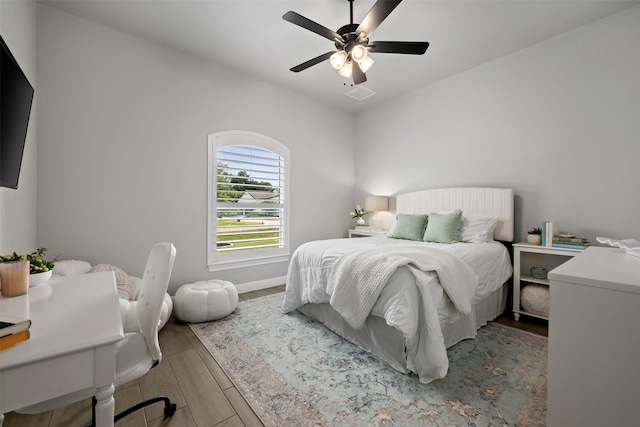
point(534, 236)
point(359, 213)
point(40, 270)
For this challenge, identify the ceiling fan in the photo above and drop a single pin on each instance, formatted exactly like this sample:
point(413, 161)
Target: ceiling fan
point(352, 41)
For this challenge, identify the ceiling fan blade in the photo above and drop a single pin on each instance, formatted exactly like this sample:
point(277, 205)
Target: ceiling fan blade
point(311, 62)
point(409, 48)
point(376, 15)
point(358, 75)
point(306, 23)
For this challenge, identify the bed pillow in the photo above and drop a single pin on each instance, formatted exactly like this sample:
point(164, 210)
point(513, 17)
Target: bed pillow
point(477, 229)
point(444, 227)
point(409, 227)
point(123, 283)
point(71, 267)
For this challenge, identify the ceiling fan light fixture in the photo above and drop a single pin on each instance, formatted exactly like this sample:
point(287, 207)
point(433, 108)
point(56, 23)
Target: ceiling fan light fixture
point(338, 59)
point(359, 53)
point(352, 41)
point(366, 64)
point(346, 69)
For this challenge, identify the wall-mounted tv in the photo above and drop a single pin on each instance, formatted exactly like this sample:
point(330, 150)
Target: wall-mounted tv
point(16, 96)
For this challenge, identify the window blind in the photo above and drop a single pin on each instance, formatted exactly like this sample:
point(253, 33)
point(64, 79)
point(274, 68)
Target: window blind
point(250, 196)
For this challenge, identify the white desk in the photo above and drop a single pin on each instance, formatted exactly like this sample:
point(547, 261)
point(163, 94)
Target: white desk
point(594, 344)
point(74, 331)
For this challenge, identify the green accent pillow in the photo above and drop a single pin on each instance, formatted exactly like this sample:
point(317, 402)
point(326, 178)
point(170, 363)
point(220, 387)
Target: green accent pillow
point(409, 227)
point(444, 228)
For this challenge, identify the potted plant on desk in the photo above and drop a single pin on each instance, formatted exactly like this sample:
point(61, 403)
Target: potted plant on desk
point(40, 270)
point(534, 236)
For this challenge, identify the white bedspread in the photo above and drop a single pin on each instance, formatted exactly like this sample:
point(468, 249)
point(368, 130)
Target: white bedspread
point(401, 302)
point(357, 278)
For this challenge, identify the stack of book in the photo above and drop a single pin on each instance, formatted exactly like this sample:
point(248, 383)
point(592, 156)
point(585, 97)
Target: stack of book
point(547, 233)
point(13, 330)
point(570, 242)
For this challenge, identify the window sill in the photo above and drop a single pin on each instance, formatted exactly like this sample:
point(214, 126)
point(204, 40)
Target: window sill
point(243, 263)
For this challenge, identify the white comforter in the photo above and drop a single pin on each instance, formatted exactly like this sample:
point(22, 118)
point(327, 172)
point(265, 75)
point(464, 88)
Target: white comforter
point(358, 277)
point(418, 311)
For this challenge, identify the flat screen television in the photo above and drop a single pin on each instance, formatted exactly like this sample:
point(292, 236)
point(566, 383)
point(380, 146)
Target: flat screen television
point(16, 96)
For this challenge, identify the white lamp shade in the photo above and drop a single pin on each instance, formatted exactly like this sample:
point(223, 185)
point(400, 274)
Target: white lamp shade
point(376, 203)
point(366, 64)
point(359, 53)
point(338, 59)
point(346, 69)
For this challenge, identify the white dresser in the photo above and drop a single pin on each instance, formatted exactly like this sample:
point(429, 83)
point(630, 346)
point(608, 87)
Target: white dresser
point(594, 340)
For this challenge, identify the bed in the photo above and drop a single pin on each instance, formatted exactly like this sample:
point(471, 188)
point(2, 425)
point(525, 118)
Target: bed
point(407, 301)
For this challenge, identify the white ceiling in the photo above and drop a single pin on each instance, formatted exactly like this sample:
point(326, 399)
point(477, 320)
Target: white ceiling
point(250, 36)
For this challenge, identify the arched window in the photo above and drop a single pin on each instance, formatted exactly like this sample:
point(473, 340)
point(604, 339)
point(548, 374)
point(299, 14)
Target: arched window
point(248, 206)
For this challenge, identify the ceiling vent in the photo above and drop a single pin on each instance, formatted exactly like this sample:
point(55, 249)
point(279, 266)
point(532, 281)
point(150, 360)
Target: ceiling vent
point(360, 92)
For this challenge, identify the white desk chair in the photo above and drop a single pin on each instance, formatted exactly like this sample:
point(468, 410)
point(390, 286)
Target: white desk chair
point(139, 351)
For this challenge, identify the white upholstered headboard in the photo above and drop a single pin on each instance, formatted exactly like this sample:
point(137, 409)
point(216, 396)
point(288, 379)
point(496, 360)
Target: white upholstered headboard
point(494, 202)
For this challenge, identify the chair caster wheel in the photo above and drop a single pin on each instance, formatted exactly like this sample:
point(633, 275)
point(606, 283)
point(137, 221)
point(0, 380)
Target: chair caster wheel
point(170, 410)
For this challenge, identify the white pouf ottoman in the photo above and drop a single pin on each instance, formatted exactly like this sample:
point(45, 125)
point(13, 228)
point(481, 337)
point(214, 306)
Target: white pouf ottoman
point(534, 298)
point(205, 301)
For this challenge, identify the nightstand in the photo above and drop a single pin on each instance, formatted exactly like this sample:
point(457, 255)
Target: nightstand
point(526, 256)
point(365, 233)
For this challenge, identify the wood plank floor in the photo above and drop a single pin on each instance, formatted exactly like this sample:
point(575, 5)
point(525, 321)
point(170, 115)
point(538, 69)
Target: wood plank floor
point(189, 375)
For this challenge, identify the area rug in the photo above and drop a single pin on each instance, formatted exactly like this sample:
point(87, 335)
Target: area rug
point(295, 372)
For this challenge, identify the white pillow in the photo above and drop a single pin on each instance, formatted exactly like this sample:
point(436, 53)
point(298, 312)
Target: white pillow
point(71, 267)
point(393, 227)
point(478, 229)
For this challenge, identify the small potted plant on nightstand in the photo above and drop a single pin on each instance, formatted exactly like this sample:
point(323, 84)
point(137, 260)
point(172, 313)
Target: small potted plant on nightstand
point(358, 213)
point(534, 236)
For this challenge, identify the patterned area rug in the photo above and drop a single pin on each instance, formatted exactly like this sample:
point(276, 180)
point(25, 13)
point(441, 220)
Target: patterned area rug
point(294, 371)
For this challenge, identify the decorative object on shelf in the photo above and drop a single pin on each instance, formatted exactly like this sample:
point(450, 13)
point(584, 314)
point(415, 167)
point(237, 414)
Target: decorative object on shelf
point(630, 246)
point(569, 241)
point(547, 228)
point(539, 272)
point(534, 236)
point(534, 299)
point(359, 213)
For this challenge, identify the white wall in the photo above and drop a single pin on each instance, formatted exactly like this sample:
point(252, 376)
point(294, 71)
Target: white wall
point(18, 208)
point(123, 128)
point(559, 122)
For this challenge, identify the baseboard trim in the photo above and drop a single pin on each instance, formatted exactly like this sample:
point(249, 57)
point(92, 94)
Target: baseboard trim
point(261, 284)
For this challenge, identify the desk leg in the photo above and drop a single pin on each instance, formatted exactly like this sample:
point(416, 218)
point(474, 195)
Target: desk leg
point(105, 406)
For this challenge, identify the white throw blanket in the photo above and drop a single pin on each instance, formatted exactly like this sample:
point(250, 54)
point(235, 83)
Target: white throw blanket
point(358, 278)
